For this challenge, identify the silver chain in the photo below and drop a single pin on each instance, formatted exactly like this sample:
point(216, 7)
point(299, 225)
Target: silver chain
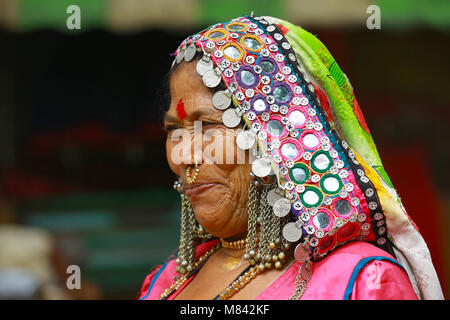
point(301, 283)
point(252, 218)
point(187, 237)
point(265, 215)
point(299, 290)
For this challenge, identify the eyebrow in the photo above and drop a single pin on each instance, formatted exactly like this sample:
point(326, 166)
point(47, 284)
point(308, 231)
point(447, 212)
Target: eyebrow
point(170, 118)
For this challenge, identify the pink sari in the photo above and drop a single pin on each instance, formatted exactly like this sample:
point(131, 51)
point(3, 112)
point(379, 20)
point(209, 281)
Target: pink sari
point(355, 271)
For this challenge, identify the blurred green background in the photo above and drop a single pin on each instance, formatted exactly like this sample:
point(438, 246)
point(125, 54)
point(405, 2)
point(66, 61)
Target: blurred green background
point(82, 151)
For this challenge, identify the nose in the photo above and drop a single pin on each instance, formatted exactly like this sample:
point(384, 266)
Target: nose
point(192, 148)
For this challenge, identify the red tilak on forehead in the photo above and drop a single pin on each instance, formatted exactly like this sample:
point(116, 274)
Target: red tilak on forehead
point(180, 109)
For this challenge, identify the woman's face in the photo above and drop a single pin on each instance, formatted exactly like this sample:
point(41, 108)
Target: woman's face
point(219, 194)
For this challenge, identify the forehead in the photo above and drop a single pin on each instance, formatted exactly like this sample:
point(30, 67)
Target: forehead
point(185, 79)
point(187, 85)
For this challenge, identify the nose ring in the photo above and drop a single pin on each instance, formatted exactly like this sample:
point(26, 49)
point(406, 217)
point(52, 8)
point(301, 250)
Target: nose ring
point(192, 173)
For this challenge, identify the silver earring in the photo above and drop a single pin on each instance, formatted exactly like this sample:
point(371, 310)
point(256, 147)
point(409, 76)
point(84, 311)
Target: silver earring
point(190, 232)
point(267, 249)
point(186, 251)
point(252, 228)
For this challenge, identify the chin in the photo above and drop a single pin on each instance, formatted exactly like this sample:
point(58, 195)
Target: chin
point(213, 218)
point(222, 223)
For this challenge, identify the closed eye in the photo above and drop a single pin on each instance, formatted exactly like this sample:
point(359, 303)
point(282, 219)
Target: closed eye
point(210, 124)
point(205, 124)
point(171, 127)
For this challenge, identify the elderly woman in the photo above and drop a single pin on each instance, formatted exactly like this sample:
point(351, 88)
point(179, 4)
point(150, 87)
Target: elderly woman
point(302, 207)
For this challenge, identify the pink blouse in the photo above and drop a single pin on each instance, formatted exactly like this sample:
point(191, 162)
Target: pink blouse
point(357, 271)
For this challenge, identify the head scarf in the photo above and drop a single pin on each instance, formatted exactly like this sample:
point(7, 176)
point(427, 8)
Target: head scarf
point(309, 132)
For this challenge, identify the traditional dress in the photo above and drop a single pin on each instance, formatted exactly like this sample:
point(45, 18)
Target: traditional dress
point(355, 271)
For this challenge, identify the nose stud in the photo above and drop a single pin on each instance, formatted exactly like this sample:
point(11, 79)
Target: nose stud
point(192, 173)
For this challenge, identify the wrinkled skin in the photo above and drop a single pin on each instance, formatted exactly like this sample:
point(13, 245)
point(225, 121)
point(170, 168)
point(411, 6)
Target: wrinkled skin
point(222, 207)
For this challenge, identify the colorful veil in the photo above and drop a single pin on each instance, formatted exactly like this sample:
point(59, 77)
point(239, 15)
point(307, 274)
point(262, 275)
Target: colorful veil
point(307, 131)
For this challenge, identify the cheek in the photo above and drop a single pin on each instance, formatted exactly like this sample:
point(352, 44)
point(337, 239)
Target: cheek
point(219, 147)
point(240, 179)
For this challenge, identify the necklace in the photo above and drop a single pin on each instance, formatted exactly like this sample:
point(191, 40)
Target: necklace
point(182, 279)
point(247, 275)
point(231, 261)
point(240, 282)
point(234, 245)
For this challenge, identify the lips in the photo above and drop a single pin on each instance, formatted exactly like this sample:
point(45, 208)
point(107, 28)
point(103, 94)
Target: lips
point(198, 188)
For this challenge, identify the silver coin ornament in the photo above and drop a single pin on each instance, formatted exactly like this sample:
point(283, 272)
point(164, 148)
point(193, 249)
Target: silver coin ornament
point(301, 253)
point(282, 207)
point(291, 232)
point(230, 118)
point(190, 52)
point(212, 78)
point(180, 55)
point(204, 65)
point(306, 271)
point(273, 196)
point(245, 139)
point(221, 100)
point(261, 167)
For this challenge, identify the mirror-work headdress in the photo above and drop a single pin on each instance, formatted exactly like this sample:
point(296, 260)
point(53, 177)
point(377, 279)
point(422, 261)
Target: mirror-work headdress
point(309, 133)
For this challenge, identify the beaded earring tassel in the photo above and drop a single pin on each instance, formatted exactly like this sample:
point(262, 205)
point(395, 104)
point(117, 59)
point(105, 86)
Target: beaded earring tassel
point(265, 244)
point(272, 245)
point(189, 233)
point(186, 252)
point(253, 217)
